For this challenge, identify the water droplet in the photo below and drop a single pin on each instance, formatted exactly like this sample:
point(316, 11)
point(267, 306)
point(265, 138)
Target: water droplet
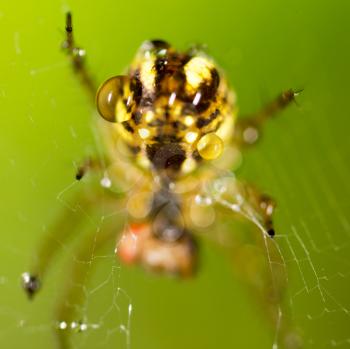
point(83, 327)
point(210, 146)
point(106, 182)
point(62, 325)
point(203, 200)
point(250, 135)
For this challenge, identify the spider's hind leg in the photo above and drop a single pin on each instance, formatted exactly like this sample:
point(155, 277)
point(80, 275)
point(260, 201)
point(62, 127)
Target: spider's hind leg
point(68, 317)
point(257, 258)
point(248, 129)
point(265, 205)
point(65, 226)
point(78, 57)
point(245, 200)
point(61, 232)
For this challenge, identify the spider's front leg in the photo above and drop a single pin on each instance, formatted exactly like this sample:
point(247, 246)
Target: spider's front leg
point(78, 57)
point(248, 129)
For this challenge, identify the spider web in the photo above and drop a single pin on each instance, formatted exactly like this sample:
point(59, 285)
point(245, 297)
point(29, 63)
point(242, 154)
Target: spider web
point(312, 224)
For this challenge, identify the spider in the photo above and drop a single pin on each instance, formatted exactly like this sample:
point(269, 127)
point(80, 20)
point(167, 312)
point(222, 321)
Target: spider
point(171, 136)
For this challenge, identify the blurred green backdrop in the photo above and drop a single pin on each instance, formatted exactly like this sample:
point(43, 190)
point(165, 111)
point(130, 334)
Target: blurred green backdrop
point(303, 161)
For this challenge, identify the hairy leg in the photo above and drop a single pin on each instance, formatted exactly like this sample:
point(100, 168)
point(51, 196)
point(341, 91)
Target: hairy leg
point(78, 57)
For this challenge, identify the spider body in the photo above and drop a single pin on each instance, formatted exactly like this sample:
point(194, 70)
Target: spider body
point(171, 136)
point(173, 111)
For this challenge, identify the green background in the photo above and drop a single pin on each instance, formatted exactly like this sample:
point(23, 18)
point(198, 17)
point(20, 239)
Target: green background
point(303, 162)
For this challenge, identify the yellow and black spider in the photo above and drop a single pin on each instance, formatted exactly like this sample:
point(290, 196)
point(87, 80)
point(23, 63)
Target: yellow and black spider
point(171, 137)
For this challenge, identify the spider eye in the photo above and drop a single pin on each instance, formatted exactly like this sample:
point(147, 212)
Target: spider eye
point(108, 95)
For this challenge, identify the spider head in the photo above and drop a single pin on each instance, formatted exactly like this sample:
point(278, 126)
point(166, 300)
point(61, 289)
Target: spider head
point(174, 109)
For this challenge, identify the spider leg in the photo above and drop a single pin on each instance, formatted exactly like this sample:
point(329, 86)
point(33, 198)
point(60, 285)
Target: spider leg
point(259, 264)
point(88, 165)
point(65, 226)
point(245, 200)
point(248, 128)
point(257, 258)
point(74, 292)
point(77, 56)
